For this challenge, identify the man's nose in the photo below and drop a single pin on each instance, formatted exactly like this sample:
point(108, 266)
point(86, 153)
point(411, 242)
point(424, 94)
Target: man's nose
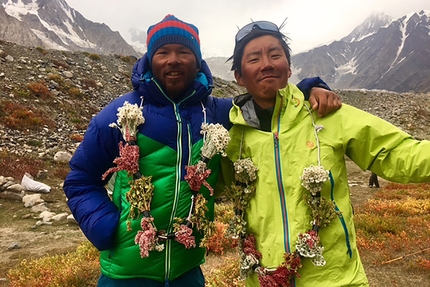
point(267, 62)
point(174, 58)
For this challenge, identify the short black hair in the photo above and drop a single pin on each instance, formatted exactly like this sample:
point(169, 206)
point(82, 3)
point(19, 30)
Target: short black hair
point(240, 47)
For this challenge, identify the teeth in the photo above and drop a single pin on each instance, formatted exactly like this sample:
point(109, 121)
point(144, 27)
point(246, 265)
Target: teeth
point(174, 74)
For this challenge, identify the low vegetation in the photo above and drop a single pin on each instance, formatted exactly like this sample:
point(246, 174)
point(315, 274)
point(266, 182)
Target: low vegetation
point(22, 117)
point(78, 268)
point(16, 166)
point(393, 232)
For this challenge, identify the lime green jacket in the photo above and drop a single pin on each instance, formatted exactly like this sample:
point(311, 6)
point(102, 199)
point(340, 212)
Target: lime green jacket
point(278, 212)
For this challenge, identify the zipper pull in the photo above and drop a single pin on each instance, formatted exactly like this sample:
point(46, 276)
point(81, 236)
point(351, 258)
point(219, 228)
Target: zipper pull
point(177, 114)
point(276, 139)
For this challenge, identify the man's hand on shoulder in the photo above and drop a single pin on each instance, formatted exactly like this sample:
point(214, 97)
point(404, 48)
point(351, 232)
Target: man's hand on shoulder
point(325, 101)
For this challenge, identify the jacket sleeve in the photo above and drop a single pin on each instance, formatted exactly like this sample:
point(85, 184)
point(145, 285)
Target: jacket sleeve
point(376, 145)
point(87, 197)
point(222, 110)
point(307, 84)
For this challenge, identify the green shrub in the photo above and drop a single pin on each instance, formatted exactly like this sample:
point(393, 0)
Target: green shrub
point(41, 50)
point(56, 78)
point(36, 143)
point(224, 212)
point(75, 92)
point(128, 59)
point(22, 93)
point(95, 57)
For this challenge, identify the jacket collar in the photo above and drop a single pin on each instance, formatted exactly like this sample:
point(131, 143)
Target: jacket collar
point(243, 112)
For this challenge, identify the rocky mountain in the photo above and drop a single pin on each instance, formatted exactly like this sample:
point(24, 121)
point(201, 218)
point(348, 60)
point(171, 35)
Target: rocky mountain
point(381, 53)
point(52, 24)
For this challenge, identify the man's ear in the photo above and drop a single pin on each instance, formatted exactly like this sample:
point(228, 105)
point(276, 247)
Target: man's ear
point(238, 78)
point(289, 72)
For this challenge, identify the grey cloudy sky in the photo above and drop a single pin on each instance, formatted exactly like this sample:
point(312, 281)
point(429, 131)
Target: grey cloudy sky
point(310, 23)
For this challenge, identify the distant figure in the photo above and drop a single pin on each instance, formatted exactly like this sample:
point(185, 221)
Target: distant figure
point(373, 180)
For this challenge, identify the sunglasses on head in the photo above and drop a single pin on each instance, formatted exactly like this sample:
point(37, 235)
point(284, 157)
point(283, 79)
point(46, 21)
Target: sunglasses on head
point(262, 25)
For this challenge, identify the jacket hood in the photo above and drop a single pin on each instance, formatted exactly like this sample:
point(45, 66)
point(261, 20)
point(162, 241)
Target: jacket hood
point(143, 81)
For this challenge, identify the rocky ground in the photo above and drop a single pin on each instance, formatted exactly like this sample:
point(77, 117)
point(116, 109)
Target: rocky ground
point(79, 86)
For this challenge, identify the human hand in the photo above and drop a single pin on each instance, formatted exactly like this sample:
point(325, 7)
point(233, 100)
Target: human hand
point(325, 101)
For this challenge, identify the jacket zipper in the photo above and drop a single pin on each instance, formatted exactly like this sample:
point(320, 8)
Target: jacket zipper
point(281, 191)
point(177, 188)
point(179, 156)
point(342, 220)
point(189, 162)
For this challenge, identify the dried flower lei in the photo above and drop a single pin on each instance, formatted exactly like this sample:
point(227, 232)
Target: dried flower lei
point(308, 244)
point(215, 141)
point(141, 190)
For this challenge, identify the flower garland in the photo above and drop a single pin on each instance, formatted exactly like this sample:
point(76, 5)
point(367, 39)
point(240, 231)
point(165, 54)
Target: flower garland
point(141, 190)
point(240, 193)
point(215, 141)
point(308, 244)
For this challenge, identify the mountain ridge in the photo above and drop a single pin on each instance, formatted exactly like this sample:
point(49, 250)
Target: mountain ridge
point(378, 54)
point(381, 53)
point(53, 24)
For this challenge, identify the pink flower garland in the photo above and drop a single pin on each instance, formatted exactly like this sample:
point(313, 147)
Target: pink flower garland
point(282, 275)
point(185, 237)
point(146, 239)
point(128, 160)
point(196, 176)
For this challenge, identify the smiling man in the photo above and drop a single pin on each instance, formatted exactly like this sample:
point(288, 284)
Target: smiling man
point(299, 222)
point(264, 83)
point(181, 71)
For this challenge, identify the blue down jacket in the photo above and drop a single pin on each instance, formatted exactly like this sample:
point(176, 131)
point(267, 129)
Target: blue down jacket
point(169, 140)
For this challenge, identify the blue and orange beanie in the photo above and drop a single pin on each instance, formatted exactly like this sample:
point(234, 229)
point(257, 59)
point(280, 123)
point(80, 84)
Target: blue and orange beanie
point(171, 30)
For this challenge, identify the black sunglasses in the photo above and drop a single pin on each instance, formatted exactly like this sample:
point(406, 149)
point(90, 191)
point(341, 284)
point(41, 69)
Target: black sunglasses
point(262, 25)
